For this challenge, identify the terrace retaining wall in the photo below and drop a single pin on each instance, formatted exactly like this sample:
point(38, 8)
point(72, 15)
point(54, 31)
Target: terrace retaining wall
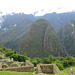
point(19, 69)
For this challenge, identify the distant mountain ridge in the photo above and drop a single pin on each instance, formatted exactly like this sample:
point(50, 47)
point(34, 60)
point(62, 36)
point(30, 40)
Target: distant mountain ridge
point(14, 28)
point(67, 36)
point(42, 41)
point(58, 20)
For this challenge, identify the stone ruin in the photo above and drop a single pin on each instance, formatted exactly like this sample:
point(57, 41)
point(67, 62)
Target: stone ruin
point(23, 64)
point(12, 59)
point(47, 68)
point(4, 66)
point(2, 55)
point(16, 66)
point(9, 62)
point(71, 72)
point(28, 66)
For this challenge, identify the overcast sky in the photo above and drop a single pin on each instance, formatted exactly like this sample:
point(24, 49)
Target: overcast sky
point(42, 6)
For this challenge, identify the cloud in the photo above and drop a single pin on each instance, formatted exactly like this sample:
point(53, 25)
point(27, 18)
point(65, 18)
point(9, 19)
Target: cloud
point(31, 6)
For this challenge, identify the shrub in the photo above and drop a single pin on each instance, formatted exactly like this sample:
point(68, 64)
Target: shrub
point(45, 60)
point(20, 58)
point(65, 63)
point(8, 54)
point(51, 59)
point(60, 66)
point(35, 62)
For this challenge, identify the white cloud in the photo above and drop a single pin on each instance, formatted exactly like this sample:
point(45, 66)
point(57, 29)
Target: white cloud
point(30, 6)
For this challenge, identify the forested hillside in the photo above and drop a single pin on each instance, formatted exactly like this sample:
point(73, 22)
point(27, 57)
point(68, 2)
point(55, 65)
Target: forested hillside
point(14, 28)
point(67, 36)
point(42, 41)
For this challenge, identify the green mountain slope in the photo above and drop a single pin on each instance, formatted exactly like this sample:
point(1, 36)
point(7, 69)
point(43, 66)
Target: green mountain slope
point(67, 36)
point(14, 28)
point(17, 27)
point(42, 41)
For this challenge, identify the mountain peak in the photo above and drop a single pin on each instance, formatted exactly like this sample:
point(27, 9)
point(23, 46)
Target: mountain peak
point(42, 41)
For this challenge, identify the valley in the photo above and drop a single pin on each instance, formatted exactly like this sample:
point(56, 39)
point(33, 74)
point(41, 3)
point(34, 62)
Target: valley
point(37, 37)
point(14, 30)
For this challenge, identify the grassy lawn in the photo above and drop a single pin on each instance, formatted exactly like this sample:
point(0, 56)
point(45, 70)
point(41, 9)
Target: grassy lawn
point(15, 73)
point(63, 72)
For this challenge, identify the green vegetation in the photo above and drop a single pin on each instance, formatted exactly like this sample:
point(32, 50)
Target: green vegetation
point(16, 56)
point(15, 73)
point(42, 41)
point(17, 26)
point(61, 62)
point(4, 50)
point(67, 37)
point(13, 54)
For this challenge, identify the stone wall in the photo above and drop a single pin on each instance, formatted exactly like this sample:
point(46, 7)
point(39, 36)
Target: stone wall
point(28, 63)
point(47, 68)
point(24, 66)
point(55, 69)
point(19, 69)
point(9, 62)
